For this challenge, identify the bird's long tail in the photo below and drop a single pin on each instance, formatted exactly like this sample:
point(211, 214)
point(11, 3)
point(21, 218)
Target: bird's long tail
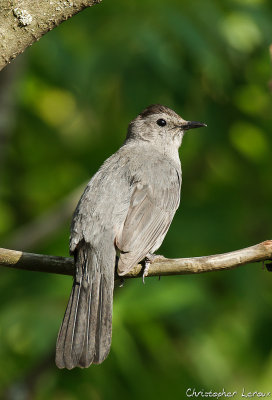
point(85, 334)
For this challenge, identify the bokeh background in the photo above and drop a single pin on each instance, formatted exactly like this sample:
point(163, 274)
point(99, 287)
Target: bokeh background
point(64, 108)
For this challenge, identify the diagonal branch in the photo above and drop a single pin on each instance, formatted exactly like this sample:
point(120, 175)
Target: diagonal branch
point(161, 266)
point(24, 22)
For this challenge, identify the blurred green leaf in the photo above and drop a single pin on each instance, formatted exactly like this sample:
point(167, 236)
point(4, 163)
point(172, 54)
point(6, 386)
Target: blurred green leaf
point(241, 31)
point(249, 140)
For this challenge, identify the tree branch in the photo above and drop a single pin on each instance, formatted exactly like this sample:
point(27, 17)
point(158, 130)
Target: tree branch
point(24, 22)
point(160, 267)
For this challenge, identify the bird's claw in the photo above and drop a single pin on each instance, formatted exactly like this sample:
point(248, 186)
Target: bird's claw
point(146, 268)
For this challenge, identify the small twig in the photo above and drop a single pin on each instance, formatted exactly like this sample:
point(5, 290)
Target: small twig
point(160, 267)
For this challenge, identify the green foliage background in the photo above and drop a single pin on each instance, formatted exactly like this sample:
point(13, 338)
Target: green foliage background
point(73, 95)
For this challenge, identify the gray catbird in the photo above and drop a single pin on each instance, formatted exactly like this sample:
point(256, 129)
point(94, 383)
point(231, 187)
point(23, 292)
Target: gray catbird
point(126, 209)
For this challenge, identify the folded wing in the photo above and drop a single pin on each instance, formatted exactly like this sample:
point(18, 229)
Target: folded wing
point(152, 208)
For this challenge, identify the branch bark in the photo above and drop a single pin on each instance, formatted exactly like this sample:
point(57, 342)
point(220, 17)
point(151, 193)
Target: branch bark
point(24, 22)
point(160, 267)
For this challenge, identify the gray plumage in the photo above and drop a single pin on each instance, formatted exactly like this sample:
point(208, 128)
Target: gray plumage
point(127, 207)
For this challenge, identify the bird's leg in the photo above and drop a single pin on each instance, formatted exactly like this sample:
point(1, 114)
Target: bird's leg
point(146, 267)
point(149, 259)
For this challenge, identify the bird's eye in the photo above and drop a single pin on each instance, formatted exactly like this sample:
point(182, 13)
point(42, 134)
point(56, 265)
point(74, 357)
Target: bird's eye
point(161, 122)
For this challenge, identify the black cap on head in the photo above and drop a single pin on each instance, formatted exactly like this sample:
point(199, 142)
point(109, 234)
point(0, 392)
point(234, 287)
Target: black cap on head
point(157, 109)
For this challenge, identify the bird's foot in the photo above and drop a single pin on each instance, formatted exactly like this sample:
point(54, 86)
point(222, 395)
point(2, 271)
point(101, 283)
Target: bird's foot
point(146, 268)
point(149, 259)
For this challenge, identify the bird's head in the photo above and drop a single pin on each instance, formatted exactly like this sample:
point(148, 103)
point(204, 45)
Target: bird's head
point(159, 124)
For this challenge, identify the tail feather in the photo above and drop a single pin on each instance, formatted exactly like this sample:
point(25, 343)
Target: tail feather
point(103, 340)
point(63, 331)
point(85, 333)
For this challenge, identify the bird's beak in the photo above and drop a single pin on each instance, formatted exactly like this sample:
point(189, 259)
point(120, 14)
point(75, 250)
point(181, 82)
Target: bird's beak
point(191, 124)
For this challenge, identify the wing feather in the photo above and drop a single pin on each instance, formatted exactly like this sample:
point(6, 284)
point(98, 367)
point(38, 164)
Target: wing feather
point(150, 213)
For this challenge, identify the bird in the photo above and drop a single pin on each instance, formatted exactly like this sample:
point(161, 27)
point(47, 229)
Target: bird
point(121, 219)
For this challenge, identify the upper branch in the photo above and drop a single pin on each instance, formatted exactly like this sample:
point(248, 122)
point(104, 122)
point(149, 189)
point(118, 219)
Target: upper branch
point(161, 266)
point(24, 23)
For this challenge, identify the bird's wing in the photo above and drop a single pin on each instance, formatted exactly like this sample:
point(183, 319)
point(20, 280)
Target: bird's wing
point(150, 213)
